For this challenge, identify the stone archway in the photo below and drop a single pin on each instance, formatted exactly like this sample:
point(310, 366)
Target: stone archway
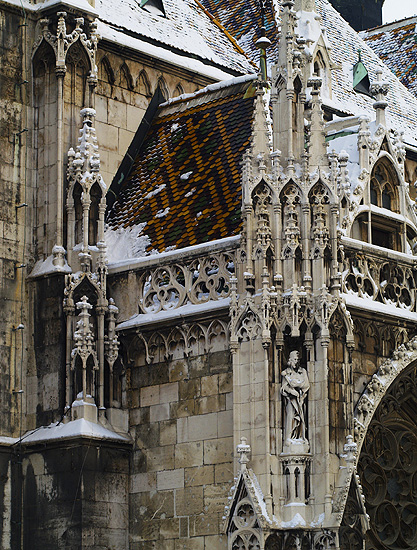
point(387, 468)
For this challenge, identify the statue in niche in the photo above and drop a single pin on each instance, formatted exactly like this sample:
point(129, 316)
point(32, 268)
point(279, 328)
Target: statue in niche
point(295, 385)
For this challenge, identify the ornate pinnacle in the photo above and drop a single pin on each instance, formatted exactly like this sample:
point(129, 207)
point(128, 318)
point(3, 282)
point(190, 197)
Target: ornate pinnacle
point(244, 450)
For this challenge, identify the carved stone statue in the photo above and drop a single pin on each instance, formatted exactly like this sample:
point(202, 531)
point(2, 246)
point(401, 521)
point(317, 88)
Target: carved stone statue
point(295, 385)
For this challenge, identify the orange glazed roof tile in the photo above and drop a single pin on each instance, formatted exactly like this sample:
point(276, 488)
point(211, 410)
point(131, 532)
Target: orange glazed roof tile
point(185, 179)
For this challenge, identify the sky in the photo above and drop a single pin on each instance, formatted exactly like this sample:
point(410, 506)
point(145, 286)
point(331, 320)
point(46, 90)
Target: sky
point(394, 10)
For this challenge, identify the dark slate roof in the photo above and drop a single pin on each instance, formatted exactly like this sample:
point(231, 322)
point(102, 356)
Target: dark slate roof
point(185, 182)
point(396, 45)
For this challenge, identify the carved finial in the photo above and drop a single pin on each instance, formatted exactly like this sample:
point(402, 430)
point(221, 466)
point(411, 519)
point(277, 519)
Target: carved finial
point(379, 90)
point(244, 450)
point(350, 449)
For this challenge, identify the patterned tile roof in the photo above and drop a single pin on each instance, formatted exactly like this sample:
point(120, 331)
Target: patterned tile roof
point(239, 16)
point(396, 45)
point(242, 19)
point(185, 181)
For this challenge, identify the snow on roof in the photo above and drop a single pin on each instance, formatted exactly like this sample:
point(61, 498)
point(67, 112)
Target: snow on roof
point(141, 261)
point(159, 52)
point(242, 19)
point(71, 430)
point(141, 319)
point(345, 43)
point(395, 44)
point(186, 31)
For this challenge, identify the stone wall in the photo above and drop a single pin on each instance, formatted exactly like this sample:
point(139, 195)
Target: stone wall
point(182, 470)
point(15, 190)
point(75, 495)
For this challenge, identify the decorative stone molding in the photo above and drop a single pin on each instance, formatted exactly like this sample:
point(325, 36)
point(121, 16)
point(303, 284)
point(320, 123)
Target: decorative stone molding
point(390, 282)
point(182, 341)
point(194, 282)
point(365, 409)
point(61, 41)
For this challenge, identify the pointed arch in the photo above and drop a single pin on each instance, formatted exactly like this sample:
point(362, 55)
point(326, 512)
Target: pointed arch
point(248, 326)
point(125, 77)
point(163, 86)
point(179, 90)
point(157, 348)
point(384, 184)
point(105, 71)
point(143, 84)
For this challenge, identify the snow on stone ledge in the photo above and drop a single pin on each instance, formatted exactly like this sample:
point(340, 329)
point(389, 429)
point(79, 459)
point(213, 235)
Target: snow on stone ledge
point(211, 247)
point(376, 307)
point(46, 267)
point(166, 315)
point(71, 430)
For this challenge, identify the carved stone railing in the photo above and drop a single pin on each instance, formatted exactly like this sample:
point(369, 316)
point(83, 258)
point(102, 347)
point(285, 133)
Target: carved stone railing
point(387, 278)
point(195, 281)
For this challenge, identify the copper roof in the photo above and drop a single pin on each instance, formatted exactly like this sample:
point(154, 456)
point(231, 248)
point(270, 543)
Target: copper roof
point(185, 180)
point(396, 45)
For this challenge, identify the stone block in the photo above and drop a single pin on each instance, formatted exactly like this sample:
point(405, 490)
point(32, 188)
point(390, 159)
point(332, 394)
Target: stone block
point(182, 408)
point(140, 483)
point(218, 451)
point(168, 392)
point(125, 139)
point(194, 543)
point(101, 108)
point(168, 432)
point(223, 473)
point(170, 479)
point(202, 475)
point(189, 501)
point(202, 427)
point(159, 412)
point(160, 458)
point(216, 542)
point(147, 435)
point(184, 527)
point(214, 498)
point(169, 528)
point(178, 370)
point(209, 385)
point(117, 113)
point(225, 423)
point(225, 382)
point(107, 137)
point(213, 403)
point(182, 430)
point(189, 454)
point(205, 524)
point(189, 389)
point(134, 117)
point(149, 396)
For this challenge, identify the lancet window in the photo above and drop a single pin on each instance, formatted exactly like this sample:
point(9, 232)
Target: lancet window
point(383, 186)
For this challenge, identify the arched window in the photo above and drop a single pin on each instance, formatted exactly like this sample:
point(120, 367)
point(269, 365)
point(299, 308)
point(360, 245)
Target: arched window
point(376, 226)
point(384, 183)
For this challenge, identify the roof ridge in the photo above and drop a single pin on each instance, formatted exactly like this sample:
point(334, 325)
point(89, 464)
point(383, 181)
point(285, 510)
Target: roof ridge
point(388, 26)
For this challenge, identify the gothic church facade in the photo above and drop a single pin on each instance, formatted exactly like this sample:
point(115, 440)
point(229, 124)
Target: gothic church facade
point(209, 301)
